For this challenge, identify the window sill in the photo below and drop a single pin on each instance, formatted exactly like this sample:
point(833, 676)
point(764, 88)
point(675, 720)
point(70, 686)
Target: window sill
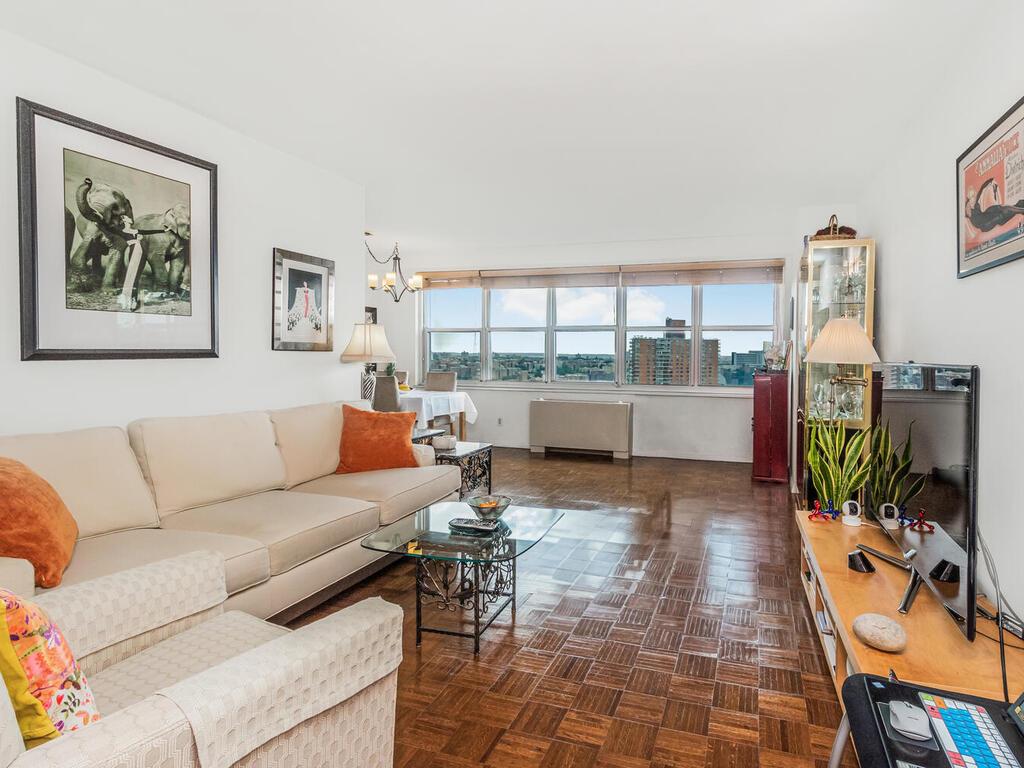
point(604, 388)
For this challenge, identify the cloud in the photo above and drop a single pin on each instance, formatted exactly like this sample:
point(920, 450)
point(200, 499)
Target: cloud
point(644, 308)
point(523, 307)
point(586, 306)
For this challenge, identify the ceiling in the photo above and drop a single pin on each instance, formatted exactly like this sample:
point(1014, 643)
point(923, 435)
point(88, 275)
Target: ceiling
point(544, 121)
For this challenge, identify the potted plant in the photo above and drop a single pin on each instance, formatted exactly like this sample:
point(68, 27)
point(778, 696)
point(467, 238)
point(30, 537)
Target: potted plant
point(890, 480)
point(839, 468)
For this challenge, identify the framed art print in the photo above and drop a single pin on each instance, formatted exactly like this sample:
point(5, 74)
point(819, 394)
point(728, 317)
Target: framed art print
point(118, 243)
point(370, 315)
point(990, 196)
point(303, 302)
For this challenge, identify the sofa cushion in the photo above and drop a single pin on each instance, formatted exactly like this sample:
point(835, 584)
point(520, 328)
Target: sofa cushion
point(194, 460)
point(43, 679)
point(246, 561)
point(193, 651)
point(95, 474)
point(35, 524)
point(308, 437)
point(398, 492)
point(371, 440)
point(294, 527)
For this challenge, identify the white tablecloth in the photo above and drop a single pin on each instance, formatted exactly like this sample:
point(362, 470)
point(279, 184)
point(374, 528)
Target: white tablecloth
point(427, 405)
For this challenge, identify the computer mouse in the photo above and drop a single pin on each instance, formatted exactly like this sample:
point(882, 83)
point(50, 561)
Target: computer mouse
point(909, 720)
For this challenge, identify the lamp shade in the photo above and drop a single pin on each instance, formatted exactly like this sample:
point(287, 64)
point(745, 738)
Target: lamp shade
point(368, 344)
point(842, 340)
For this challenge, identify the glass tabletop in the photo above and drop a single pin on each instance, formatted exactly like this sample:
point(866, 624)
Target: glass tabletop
point(426, 534)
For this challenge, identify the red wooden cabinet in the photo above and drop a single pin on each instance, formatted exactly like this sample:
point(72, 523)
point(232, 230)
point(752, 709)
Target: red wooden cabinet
point(771, 426)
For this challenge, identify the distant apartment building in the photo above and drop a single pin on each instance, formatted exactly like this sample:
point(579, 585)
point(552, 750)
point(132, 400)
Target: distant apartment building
point(667, 359)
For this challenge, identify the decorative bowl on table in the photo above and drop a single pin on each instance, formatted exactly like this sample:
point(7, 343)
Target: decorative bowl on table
point(489, 507)
point(445, 442)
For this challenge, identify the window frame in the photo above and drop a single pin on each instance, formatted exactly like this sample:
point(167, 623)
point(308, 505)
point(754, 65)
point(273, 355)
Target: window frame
point(696, 331)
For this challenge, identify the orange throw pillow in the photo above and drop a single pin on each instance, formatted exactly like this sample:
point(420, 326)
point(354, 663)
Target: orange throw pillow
point(375, 440)
point(34, 523)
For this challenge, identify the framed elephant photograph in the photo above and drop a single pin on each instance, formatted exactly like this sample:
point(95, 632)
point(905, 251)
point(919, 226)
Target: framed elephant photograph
point(303, 317)
point(118, 243)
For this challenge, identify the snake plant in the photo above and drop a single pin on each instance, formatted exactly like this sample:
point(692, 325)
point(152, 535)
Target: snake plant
point(839, 468)
point(890, 469)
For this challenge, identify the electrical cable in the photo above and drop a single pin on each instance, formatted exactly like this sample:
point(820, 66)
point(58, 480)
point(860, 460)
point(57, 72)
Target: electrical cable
point(993, 573)
point(996, 640)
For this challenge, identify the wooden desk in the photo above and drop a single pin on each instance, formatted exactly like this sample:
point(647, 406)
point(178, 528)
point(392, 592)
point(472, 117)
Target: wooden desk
point(937, 654)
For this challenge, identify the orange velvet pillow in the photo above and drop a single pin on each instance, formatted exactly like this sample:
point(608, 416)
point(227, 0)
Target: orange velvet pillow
point(34, 523)
point(375, 440)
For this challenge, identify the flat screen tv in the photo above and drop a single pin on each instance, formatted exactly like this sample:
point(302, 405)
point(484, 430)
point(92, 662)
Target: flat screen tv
point(937, 405)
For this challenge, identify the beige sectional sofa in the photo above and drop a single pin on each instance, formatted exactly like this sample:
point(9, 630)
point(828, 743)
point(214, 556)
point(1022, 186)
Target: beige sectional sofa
point(257, 487)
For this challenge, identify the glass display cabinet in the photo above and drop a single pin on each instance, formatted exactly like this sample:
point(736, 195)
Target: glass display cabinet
point(840, 282)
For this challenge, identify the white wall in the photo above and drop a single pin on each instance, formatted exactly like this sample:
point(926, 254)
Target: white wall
point(266, 199)
point(924, 313)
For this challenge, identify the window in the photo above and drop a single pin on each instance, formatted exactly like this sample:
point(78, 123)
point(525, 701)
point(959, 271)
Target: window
point(655, 355)
point(452, 318)
point(518, 350)
point(706, 326)
point(737, 326)
point(585, 334)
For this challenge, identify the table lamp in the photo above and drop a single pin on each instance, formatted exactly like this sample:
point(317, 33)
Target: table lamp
point(368, 345)
point(842, 342)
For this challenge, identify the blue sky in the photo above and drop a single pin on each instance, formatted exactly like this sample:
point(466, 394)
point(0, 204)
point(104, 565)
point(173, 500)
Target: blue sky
point(645, 305)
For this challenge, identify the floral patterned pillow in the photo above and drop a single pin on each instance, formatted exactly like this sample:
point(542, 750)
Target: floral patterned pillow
point(46, 686)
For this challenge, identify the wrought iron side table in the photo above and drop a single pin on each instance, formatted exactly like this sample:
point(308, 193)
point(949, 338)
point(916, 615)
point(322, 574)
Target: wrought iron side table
point(471, 573)
point(473, 461)
point(426, 435)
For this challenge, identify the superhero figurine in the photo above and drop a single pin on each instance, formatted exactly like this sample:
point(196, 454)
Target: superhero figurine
point(920, 524)
point(817, 514)
point(904, 519)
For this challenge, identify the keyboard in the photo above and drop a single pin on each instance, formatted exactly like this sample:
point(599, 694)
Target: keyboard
point(967, 734)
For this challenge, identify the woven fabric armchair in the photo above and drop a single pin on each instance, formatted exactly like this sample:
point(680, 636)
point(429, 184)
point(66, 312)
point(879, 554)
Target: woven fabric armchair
point(180, 683)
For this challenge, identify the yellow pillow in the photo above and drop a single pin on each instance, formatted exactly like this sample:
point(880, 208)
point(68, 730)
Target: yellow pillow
point(44, 682)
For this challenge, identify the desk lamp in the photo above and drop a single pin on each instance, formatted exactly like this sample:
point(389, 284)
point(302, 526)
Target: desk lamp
point(842, 342)
point(368, 345)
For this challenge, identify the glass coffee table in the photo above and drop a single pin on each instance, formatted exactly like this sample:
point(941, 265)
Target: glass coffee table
point(455, 571)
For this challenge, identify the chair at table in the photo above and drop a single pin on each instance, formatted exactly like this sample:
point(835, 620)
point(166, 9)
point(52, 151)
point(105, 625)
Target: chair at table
point(385, 394)
point(442, 381)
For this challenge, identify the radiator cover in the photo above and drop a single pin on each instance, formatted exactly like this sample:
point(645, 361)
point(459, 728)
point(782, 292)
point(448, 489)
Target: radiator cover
point(582, 425)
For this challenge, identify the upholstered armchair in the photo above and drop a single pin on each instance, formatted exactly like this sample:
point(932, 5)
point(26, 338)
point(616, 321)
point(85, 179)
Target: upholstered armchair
point(180, 682)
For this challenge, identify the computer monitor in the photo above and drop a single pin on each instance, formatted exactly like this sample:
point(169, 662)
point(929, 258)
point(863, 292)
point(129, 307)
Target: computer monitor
point(938, 406)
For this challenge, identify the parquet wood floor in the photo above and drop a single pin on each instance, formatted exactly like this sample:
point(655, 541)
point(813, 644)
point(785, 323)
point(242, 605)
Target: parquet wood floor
point(661, 623)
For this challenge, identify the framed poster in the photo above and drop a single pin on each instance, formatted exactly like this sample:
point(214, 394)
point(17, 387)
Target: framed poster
point(990, 196)
point(370, 315)
point(118, 243)
point(303, 302)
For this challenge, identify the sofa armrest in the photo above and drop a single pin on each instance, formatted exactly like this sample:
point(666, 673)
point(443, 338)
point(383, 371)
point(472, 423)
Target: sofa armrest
point(98, 613)
point(244, 702)
point(153, 728)
point(424, 454)
point(18, 576)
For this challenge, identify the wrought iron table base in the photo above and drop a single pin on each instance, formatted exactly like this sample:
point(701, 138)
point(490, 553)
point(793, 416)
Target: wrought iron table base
point(484, 588)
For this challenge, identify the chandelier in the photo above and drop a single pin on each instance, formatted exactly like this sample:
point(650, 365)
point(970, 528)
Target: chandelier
point(394, 282)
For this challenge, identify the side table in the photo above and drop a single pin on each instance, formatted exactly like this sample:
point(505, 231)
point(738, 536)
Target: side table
point(473, 461)
point(426, 435)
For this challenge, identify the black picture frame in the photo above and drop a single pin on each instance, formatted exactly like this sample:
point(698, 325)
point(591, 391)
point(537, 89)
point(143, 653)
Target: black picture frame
point(278, 315)
point(27, 111)
point(370, 315)
point(1010, 121)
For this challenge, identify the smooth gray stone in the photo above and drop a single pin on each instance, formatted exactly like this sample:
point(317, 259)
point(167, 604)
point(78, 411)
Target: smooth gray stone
point(880, 632)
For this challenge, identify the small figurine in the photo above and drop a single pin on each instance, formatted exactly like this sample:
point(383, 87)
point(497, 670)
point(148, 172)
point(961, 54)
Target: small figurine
point(920, 524)
point(904, 519)
point(817, 514)
point(832, 510)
